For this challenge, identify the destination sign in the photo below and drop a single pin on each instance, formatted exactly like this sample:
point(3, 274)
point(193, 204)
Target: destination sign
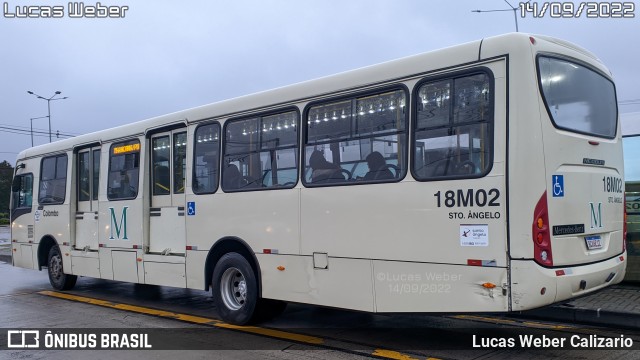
point(126, 149)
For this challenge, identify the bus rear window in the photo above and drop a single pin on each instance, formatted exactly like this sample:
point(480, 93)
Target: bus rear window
point(577, 98)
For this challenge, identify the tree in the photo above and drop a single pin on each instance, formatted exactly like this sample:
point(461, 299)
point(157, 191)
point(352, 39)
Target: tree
point(6, 177)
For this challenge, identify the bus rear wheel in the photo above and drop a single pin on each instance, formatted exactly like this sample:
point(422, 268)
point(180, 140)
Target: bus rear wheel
point(57, 278)
point(234, 289)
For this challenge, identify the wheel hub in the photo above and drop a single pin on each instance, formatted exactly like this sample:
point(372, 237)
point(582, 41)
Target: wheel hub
point(56, 267)
point(233, 288)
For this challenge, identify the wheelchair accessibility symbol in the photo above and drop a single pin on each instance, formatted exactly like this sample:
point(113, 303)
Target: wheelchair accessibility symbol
point(558, 185)
point(191, 208)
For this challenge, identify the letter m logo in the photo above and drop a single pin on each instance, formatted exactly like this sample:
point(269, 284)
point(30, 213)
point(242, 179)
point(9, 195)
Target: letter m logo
point(120, 228)
point(596, 215)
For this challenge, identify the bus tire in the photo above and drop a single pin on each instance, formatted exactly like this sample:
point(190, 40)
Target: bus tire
point(234, 289)
point(57, 278)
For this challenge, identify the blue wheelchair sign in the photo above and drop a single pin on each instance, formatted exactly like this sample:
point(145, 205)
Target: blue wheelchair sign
point(558, 185)
point(191, 208)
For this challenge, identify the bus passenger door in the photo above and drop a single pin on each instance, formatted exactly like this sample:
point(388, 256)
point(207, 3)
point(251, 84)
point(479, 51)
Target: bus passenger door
point(87, 178)
point(167, 212)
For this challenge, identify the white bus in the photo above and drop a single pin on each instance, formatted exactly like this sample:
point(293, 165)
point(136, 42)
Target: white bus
point(485, 177)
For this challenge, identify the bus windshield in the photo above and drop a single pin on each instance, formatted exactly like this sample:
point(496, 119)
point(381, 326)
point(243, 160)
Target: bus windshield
point(578, 99)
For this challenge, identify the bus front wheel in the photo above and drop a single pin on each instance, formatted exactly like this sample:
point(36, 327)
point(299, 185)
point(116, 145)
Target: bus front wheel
point(58, 279)
point(234, 289)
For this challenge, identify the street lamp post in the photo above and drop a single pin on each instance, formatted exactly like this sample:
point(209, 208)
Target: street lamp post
point(41, 117)
point(514, 9)
point(49, 100)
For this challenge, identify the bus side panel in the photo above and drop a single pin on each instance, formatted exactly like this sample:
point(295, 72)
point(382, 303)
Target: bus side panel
point(404, 222)
point(53, 221)
point(23, 256)
point(194, 263)
point(263, 219)
point(345, 283)
point(414, 287)
point(85, 263)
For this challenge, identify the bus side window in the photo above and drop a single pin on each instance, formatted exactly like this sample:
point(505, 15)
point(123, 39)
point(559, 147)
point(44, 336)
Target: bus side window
point(179, 162)
point(356, 140)
point(161, 152)
point(124, 167)
point(206, 159)
point(53, 180)
point(231, 177)
point(453, 128)
point(264, 150)
point(83, 182)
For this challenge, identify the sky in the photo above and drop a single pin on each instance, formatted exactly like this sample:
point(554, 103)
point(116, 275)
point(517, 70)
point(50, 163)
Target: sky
point(166, 56)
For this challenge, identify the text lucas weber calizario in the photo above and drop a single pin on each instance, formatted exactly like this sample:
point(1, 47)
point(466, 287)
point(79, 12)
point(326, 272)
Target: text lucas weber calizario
point(73, 10)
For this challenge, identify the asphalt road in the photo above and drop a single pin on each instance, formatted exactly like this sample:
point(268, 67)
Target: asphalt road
point(186, 319)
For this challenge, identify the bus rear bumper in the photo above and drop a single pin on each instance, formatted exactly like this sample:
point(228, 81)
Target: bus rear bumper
point(534, 286)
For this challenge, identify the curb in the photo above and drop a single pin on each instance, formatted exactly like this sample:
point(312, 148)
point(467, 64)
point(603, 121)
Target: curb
point(597, 317)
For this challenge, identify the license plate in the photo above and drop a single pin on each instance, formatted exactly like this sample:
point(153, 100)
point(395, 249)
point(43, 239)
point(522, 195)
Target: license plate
point(593, 242)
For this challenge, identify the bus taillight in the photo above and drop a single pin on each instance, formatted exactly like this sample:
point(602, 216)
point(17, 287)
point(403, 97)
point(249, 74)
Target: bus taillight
point(540, 233)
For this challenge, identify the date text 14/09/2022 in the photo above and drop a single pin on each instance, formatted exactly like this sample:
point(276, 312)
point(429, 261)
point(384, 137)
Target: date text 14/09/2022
point(570, 9)
point(73, 10)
